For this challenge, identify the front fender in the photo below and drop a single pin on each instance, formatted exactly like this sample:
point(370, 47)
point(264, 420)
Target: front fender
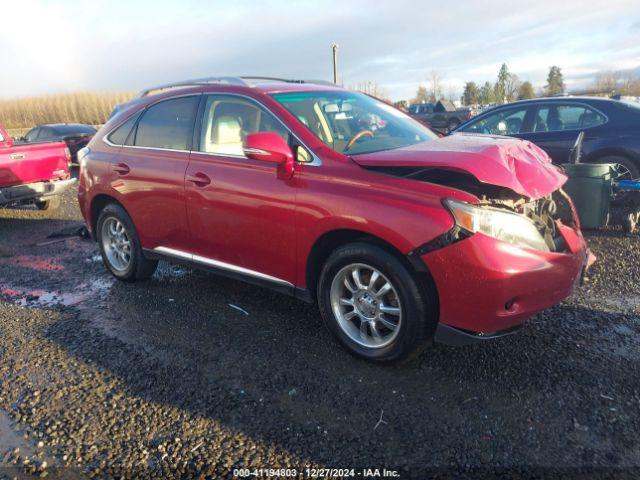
point(403, 213)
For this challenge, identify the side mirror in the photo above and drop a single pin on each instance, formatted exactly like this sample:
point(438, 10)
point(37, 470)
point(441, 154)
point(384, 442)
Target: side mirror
point(270, 147)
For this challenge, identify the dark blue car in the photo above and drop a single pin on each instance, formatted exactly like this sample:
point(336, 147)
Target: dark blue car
point(611, 128)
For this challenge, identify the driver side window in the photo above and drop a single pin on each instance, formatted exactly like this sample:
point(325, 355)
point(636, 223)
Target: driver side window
point(505, 122)
point(228, 120)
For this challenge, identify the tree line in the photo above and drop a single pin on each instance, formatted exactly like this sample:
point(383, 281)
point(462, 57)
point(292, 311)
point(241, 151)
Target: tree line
point(508, 87)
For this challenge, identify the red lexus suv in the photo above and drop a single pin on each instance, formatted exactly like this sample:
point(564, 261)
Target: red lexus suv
point(400, 237)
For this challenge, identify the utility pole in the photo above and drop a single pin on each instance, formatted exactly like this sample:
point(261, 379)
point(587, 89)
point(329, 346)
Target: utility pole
point(334, 47)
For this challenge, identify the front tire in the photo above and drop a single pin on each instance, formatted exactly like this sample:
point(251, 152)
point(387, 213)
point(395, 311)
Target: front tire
point(120, 246)
point(374, 304)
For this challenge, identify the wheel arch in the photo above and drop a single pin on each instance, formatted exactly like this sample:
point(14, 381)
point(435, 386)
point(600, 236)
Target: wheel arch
point(595, 156)
point(330, 240)
point(98, 203)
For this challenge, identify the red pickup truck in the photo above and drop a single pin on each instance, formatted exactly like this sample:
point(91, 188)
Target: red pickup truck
point(33, 173)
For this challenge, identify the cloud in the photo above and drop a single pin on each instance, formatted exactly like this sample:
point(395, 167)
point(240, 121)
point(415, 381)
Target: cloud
point(127, 45)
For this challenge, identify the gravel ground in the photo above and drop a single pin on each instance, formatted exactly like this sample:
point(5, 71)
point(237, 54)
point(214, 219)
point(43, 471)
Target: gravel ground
point(165, 378)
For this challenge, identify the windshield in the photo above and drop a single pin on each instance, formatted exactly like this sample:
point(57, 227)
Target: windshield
point(353, 122)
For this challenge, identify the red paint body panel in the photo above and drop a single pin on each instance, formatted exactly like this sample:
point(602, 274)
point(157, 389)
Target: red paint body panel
point(150, 183)
point(29, 163)
point(511, 163)
point(476, 277)
point(240, 211)
point(245, 217)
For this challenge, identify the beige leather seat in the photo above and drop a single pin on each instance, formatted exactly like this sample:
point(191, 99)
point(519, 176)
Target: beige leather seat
point(225, 136)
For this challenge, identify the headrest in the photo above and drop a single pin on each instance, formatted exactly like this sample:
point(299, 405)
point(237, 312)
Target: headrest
point(227, 129)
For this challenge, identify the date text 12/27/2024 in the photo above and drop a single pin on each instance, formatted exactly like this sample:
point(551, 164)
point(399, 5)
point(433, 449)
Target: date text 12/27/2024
point(315, 473)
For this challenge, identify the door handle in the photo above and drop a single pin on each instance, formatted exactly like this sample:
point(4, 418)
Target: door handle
point(121, 168)
point(199, 179)
point(17, 156)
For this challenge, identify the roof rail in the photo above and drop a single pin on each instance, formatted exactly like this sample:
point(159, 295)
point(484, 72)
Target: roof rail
point(270, 79)
point(286, 80)
point(243, 81)
point(193, 82)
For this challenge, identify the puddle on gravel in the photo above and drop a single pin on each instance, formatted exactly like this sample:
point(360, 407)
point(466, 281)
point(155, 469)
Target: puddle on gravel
point(33, 262)
point(11, 439)
point(49, 298)
point(621, 303)
point(167, 271)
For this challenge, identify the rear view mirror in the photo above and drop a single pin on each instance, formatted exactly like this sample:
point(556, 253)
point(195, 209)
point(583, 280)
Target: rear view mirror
point(270, 147)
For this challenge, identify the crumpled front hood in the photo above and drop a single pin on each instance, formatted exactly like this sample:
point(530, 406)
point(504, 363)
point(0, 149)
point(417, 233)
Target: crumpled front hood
point(502, 161)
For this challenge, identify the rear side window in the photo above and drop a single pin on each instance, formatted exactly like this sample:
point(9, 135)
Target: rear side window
point(554, 118)
point(168, 124)
point(123, 135)
point(45, 133)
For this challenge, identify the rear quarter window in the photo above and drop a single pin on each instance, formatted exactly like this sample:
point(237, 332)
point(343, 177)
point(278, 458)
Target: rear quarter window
point(123, 134)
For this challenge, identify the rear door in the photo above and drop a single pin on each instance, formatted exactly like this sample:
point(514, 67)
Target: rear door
point(149, 171)
point(241, 215)
point(556, 126)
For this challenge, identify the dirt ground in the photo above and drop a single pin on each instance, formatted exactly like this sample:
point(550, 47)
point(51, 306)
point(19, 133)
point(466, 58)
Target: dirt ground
point(166, 378)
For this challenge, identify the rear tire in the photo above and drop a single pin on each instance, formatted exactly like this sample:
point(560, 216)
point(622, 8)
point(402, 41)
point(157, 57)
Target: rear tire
point(120, 246)
point(632, 172)
point(48, 204)
point(628, 165)
point(381, 327)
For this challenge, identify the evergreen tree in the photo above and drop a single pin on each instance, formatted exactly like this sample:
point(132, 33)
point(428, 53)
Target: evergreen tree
point(555, 81)
point(487, 94)
point(471, 94)
point(500, 88)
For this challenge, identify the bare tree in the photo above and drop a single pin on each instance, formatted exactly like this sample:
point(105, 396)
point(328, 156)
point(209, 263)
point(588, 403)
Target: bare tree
point(452, 93)
point(606, 82)
point(434, 86)
point(421, 95)
point(512, 86)
point(373, 89)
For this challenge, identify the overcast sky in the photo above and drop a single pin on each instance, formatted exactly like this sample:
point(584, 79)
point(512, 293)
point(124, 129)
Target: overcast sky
point(61, 46)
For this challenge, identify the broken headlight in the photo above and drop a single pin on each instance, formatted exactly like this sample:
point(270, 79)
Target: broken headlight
point(506, 226)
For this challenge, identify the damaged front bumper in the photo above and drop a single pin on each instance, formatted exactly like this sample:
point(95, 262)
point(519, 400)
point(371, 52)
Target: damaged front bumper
point(34, 191)
point(487, 288)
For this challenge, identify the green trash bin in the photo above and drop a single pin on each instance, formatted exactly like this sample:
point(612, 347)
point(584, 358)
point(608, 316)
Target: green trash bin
point(589, 186)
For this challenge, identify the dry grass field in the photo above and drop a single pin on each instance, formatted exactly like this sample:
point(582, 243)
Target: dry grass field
point(91, 108)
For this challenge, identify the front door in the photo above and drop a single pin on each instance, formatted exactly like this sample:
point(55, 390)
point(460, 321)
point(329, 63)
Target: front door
point(240, 214)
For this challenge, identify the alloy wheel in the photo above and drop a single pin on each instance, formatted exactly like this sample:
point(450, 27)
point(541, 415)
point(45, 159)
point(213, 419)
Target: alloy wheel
point(366, 305)
point(116, 244)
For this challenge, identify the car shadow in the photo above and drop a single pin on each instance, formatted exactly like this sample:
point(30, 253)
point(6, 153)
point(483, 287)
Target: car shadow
point(271, 370)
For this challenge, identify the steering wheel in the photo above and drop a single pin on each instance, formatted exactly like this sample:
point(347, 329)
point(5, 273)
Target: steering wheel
point(357, 137)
